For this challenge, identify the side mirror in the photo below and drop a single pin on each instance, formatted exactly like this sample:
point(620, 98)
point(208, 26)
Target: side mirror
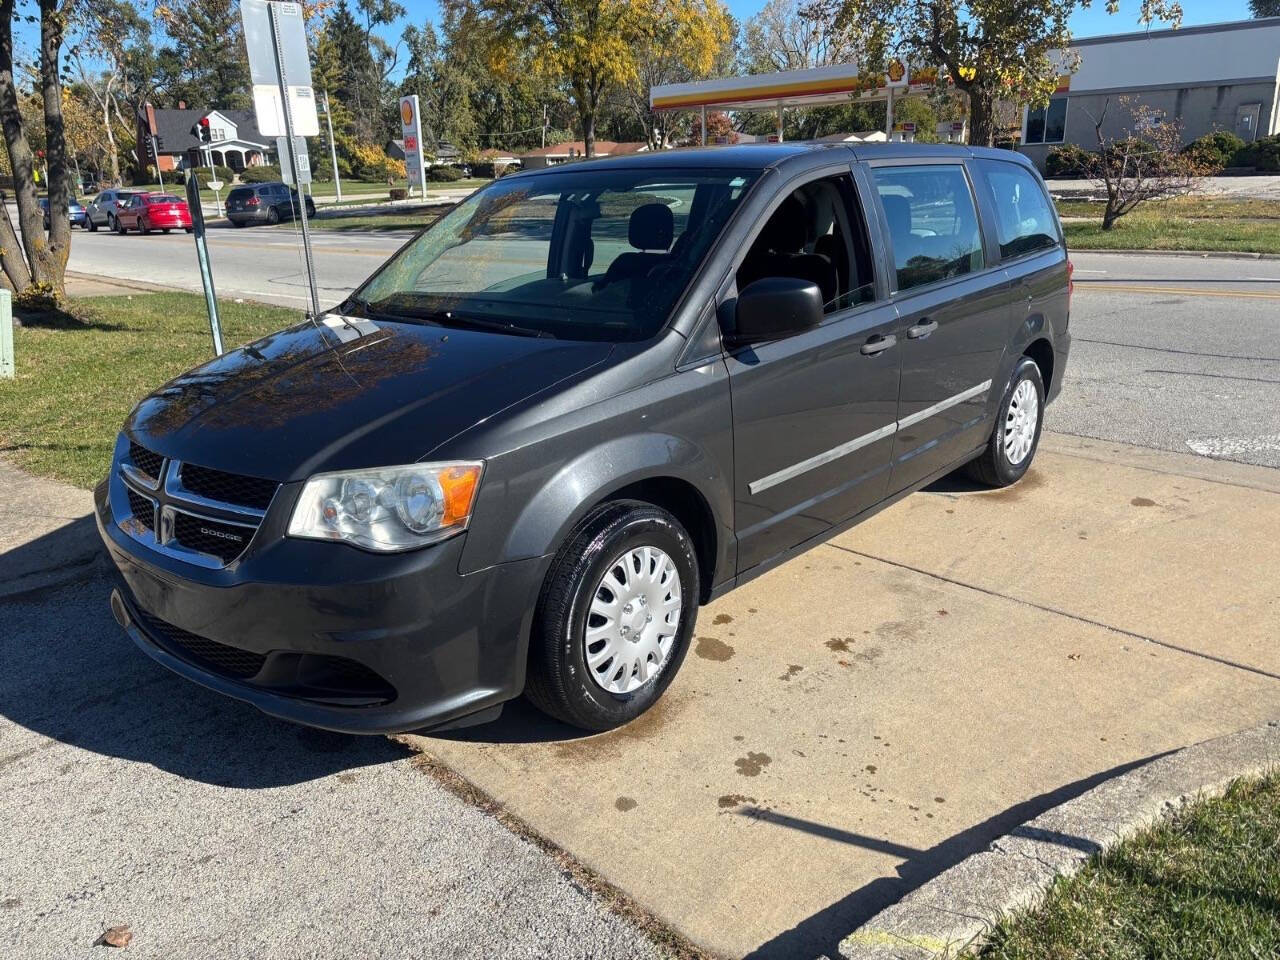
point(776, 307)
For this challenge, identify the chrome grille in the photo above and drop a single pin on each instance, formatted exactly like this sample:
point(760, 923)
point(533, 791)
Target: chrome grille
point(201, 515)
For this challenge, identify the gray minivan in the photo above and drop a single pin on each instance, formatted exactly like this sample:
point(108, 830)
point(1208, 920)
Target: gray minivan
point(586, 401)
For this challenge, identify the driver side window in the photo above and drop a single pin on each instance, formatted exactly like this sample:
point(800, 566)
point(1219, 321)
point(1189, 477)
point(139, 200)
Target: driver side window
point(816, 234)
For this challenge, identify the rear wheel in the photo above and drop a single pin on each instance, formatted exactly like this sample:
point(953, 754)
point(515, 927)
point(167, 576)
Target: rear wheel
point(120, 228)
point(273, 216)
point(1013, 441)
point(91, 224)
point(615, 617)
point(143, 226)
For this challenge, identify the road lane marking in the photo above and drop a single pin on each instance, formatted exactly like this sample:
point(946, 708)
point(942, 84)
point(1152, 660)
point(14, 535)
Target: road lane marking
point(1180, 291)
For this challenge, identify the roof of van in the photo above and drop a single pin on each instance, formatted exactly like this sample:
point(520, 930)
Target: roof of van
point(760, 156)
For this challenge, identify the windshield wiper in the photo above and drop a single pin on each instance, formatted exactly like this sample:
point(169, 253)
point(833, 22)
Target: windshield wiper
point(449, 318)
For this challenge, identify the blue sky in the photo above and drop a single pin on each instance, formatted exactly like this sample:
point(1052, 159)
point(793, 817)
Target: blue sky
point(1084, 23)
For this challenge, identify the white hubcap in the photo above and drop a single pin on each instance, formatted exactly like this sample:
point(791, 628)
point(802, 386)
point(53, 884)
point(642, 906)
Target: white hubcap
point(633, 620)
point(1021, 421)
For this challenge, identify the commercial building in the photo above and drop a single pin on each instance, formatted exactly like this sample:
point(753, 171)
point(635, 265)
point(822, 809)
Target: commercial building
point(1223, 76)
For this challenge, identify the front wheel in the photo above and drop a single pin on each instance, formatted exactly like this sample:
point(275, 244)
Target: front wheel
point(1016, 435)
point(615, 617)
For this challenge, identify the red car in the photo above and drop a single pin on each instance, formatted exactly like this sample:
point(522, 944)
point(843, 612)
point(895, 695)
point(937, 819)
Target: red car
point(153, 211)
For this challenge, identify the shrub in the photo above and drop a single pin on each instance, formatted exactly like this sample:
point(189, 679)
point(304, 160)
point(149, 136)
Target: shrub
point(266, 174)
point(444, 174)
point(144, 176)
point(1215, 150)
point(1068, 160)
point(1262, 154)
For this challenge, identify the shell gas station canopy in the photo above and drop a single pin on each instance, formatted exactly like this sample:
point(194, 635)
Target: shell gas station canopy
point(817, 87)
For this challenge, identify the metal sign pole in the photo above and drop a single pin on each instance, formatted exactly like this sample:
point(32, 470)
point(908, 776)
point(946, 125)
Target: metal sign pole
point(202, 255)
point(293, 159)
point(217, 197)
point(155, 152)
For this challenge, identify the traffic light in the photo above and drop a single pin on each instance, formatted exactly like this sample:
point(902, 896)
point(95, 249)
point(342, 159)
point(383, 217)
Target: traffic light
point(201, 131)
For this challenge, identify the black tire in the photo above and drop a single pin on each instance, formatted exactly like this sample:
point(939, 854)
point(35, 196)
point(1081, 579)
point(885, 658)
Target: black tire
point(90, 225)
point(165, 230)
point(143, 228)
point(273, 216)
point(192, 229)
point(559, 681)
point(993, 467)
point(234, 223)
point(119, 227)
point(112, 223)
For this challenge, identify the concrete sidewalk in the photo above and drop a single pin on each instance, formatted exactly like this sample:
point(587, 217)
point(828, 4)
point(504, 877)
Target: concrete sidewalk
point(47, 533)
point(858, 720)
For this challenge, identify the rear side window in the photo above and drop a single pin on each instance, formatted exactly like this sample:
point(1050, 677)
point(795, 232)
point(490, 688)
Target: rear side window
point(240, 193)
point(933, 225)
point(1024, 221)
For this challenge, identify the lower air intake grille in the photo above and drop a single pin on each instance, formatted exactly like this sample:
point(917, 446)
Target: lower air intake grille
point(228, 661)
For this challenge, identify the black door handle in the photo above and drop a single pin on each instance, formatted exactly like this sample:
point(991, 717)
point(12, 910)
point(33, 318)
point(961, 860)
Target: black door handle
point(878, 344)
point(922, 329)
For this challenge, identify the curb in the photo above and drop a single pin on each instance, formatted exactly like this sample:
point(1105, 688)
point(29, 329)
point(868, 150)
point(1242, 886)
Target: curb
point(1198, 254)
point(955, 910)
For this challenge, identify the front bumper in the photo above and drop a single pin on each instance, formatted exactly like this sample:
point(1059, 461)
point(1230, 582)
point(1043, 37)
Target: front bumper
point(446, 645)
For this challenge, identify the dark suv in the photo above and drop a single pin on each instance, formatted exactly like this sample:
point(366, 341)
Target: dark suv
point(265, 203)
point(586, 401)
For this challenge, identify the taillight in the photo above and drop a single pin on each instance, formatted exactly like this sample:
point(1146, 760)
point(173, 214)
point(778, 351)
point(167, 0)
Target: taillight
point(1071, 284)
point(252, 202)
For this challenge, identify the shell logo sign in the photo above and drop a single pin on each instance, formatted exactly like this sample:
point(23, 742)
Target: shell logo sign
point(406, 111)
point(897, 72)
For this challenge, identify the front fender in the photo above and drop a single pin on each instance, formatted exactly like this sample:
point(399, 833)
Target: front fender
point(602, 471)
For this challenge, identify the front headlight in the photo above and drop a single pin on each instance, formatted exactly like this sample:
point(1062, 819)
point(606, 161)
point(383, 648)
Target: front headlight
point(388, 508)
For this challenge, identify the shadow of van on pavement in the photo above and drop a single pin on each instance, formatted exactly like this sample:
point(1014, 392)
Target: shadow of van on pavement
point(71, 674)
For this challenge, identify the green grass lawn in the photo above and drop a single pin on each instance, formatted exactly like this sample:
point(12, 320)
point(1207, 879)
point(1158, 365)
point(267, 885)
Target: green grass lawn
point(1181, 223)
point(79, 376)
point(1203, 884)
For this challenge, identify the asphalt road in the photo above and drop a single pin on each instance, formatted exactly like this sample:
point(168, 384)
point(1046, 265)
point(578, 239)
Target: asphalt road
point(1174, 353)
point(130, 795)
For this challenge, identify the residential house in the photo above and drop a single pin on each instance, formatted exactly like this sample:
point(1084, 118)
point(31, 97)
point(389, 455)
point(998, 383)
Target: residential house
point(540, 157)
point(236, 142)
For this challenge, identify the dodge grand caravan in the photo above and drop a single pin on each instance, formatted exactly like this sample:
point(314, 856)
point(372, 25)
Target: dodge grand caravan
point(583, 403)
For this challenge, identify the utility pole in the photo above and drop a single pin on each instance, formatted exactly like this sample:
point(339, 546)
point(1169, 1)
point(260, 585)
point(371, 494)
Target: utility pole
point(333, 150)
point(544, 124)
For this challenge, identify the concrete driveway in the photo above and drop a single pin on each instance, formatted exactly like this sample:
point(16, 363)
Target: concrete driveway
point(858, 720)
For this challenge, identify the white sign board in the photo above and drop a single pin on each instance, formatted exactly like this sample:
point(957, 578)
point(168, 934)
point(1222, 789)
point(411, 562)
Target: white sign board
point(265, 67)
point(411, 130)
point(304, 159)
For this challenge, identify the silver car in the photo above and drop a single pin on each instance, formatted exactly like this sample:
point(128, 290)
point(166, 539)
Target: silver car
point(101, 212)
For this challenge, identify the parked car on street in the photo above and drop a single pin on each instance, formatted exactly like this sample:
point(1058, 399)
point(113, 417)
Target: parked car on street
point(586, 401)
point(145, 212)
point(101, 211)
point(265, 203)
point(75, 213)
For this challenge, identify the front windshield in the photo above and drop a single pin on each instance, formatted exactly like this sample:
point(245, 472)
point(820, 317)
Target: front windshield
point(579, 254)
